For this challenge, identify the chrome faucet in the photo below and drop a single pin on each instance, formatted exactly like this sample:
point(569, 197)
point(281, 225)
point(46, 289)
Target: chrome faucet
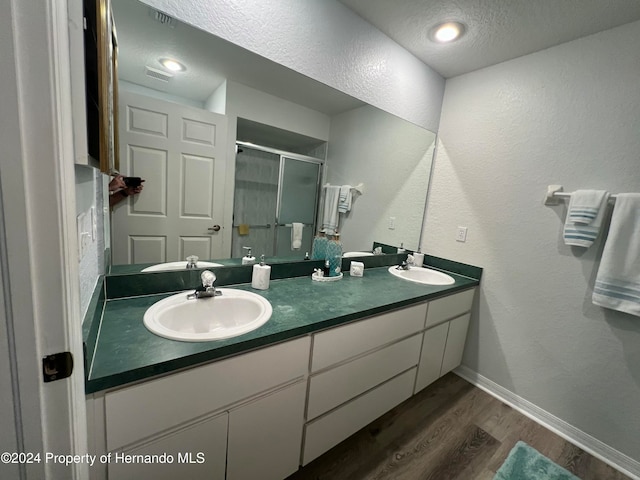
point(208, 288)
point(403, 266)
point(192, 261)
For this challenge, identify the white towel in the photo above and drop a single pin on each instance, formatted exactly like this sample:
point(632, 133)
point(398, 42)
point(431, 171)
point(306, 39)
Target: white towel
point(585, 205)
point(344, 200)
point(586, 211)
point(618, 280)
point(296, 235)
point(330, 213)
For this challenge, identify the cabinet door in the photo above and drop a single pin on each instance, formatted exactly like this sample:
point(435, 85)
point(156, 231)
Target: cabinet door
point(265, 436)
point(448, 307)
point(433, 346)
point(195, 452)
point(455, 343)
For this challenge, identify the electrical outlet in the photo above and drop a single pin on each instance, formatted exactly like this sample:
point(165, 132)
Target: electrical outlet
point(392, 223)
point(461, 236)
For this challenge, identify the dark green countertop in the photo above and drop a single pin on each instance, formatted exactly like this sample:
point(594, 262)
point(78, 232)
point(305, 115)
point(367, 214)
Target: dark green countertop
point(125, 351)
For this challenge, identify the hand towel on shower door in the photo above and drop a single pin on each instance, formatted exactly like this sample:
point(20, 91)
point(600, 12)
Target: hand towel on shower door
point(296, 235)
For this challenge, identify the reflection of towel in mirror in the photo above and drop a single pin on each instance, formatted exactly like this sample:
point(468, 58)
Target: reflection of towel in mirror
point(344, 200)
point(296, 235)
point(243, 229)
point(330, 213)
point(618, 280)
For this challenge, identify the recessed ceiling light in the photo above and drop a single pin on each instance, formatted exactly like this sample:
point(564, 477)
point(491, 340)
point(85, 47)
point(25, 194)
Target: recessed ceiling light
point(172, 65)
point(447, 32)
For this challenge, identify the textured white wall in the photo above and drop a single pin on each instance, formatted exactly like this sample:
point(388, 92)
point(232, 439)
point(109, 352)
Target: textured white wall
point(326, 41)
point(392, 157)
point(567, 115)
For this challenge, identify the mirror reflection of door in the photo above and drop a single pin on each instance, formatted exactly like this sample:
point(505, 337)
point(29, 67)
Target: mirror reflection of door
point(179, 151)
point(272, 191)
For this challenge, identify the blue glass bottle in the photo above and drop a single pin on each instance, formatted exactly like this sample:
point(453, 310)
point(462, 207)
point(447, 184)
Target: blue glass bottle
point(334, 255)
point(319, 246)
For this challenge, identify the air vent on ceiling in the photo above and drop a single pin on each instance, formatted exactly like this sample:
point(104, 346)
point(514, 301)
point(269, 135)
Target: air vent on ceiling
point(158, 74)
point(162, 18)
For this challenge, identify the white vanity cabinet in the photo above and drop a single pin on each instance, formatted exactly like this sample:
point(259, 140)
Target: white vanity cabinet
point(211, 410)
point(443, 343)
point(263, 413)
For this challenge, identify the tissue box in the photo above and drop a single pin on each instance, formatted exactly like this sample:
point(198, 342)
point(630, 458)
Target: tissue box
point(356, 269)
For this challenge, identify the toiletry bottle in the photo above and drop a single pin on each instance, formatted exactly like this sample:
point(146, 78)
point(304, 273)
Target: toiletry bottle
point(306, 256)
point(334, 255)
point(401, 248)
point(319, 247)
point(248, 259)
point(326, 269)
point(261, 275)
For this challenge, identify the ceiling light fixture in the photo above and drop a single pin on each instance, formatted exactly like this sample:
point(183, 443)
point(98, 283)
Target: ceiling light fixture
point(447, 32)
point(172, 65)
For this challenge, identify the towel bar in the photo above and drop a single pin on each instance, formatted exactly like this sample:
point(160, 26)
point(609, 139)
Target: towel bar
point(555, 194)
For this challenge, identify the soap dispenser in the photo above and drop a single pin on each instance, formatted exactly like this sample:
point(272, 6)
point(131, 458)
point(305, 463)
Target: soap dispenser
point(401, 248)
point(334, 255)
point(248, 259)
point(319, 246)
point(261, 275)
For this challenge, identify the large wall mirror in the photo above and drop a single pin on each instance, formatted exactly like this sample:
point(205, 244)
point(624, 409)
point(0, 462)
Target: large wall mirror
point(236, 149)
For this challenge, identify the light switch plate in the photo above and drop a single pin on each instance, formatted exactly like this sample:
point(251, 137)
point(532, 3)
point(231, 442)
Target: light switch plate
point(461, 236)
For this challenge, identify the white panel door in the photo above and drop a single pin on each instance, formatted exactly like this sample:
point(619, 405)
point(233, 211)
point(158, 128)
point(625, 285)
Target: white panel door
point(179, 152)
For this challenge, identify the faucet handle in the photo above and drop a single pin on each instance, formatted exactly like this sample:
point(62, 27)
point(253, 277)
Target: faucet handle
point(208, 278)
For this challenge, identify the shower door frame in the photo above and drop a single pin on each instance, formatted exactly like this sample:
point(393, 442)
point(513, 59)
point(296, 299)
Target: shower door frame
point(294, 156)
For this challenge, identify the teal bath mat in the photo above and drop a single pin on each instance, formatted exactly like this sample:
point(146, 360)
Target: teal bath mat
point(526, 463)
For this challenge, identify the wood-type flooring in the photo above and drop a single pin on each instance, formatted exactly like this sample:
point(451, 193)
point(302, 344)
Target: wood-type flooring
point(451, 430)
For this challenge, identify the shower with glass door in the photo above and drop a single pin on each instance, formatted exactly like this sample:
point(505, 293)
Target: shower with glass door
point(273, 190)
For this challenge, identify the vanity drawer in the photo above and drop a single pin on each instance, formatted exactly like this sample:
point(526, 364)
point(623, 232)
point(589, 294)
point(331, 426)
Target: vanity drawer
point(339, 344)
point(333, 387)
point(142, 410)
point(445, 308)
point(329, 430)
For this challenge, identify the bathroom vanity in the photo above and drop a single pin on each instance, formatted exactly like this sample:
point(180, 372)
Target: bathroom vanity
point(334, 357)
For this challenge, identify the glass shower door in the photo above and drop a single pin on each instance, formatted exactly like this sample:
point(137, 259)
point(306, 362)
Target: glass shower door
point(255, 202)
point(297, 201)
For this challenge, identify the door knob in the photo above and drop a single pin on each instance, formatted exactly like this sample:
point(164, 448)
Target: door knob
point(215, 228)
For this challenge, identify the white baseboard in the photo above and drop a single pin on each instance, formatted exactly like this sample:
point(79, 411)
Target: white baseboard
point(586, 442)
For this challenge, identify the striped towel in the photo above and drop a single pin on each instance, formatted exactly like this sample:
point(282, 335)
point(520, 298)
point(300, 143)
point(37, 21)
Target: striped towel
point(585, 205)
point(618, 280)
point(344, 201)
point(584, 219)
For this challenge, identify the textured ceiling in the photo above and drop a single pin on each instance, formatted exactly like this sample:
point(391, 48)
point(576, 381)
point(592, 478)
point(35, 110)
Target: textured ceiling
point(142, 41)
point(497, 30)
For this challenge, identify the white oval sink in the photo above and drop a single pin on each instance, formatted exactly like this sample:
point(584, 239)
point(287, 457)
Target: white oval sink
point(423, 275)
point(182, 265)
point(356, 254)
point(233, 313)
